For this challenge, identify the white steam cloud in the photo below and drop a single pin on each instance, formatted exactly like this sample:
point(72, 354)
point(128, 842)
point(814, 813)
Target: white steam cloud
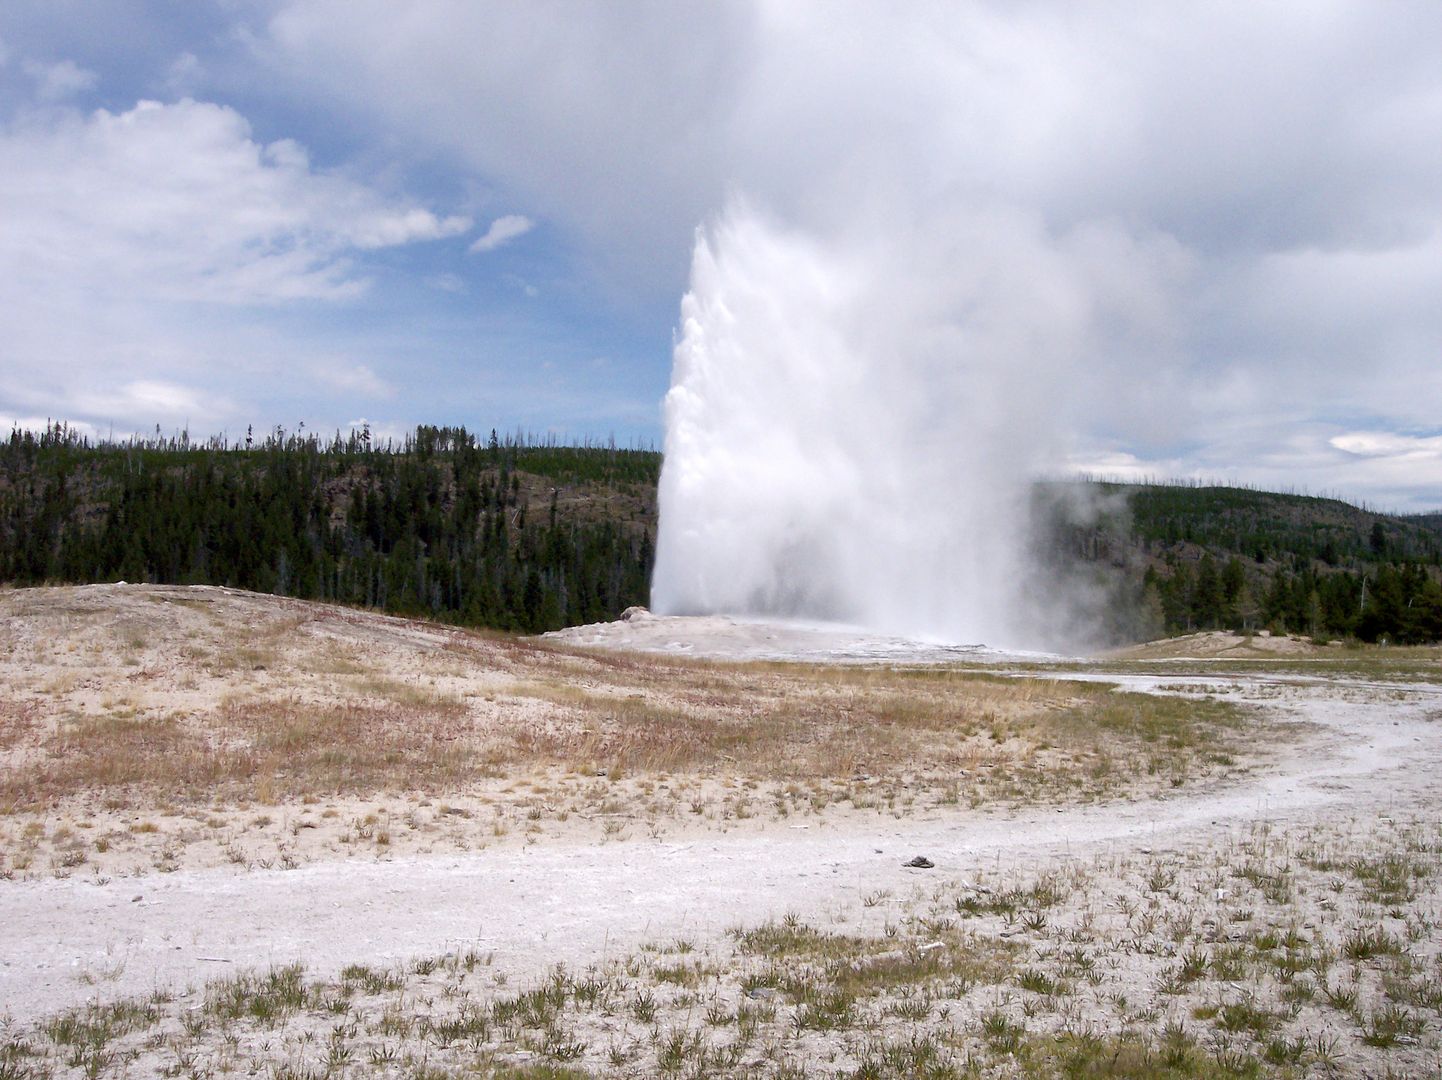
point(852, 423)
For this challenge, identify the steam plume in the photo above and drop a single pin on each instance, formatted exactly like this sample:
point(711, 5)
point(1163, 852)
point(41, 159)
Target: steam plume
point(852, 422)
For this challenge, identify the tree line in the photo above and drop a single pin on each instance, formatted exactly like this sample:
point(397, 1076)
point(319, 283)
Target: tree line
point(502, 533)
point(1400, 603)
point(1181, 558)
point(523, 534)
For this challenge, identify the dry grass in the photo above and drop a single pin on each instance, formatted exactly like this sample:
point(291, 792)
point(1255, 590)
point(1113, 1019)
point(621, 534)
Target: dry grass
point(17, 721)
point(325, 714)
point(643, 717)
point(128, 699)
point(256, 750)
point(796, 722)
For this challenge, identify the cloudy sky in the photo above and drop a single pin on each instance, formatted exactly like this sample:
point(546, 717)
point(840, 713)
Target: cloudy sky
point(444, 211)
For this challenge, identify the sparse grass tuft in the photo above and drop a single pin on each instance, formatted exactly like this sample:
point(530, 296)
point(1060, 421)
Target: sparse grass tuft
point(1364, 943)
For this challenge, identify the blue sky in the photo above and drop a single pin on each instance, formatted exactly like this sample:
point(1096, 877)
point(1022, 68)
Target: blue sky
point(215, 215)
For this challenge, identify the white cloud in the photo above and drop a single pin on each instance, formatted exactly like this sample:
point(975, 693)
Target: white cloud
point(184, 74)
point(60, 81)
point(1118, 465)
point(159, 400)
point(178, 202)
point(502, 231)
point(143, 252)
point(386, 228)
point(1221, 126)
point(353, 378)
point(609, 117)
point(1384, 444)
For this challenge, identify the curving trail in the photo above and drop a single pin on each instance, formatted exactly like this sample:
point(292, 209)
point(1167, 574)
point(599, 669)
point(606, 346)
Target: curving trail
point(1374, 747)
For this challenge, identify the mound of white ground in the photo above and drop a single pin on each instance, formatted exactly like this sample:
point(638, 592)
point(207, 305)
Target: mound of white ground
point(732, 637)
point(1227, 645)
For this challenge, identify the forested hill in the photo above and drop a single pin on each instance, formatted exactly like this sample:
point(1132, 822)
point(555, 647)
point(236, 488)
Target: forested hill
point(491, 532)
point(1180, 557)
point(525, 536)
point(1269, 526)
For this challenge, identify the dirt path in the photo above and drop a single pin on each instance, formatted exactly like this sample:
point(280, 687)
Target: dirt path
point(69, 941)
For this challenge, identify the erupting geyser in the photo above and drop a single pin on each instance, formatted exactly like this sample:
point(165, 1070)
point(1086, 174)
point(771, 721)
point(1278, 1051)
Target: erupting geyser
point(851, 425)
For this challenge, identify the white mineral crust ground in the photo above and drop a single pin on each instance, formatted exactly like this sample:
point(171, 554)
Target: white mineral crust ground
point(1374, 749)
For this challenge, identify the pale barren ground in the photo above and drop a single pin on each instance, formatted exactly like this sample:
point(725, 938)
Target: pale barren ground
point(1233, 873)
point(158, 728)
